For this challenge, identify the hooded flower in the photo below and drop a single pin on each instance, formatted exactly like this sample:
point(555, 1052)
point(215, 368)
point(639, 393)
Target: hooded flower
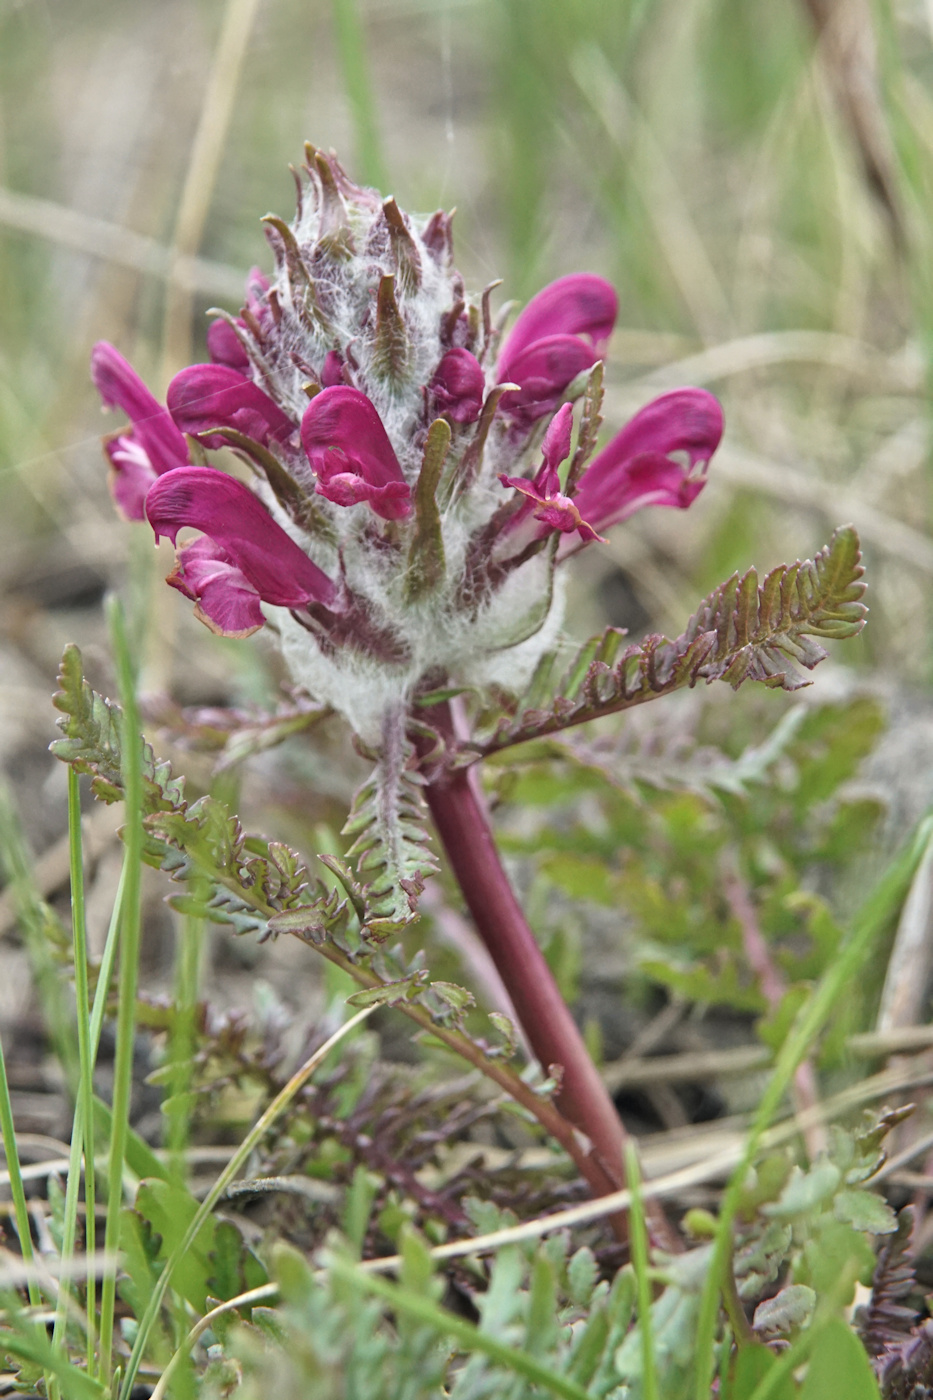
point(216, 396)
point(351, 454)
point(153, 444)
point(459, 386)
point(637, 468)
point(399, 502)
point(562, 331)
point(244, 556)
point(225, 338)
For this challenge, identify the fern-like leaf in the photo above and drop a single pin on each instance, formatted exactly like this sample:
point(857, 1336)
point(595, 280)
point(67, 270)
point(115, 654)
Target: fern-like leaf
point(744, 630)
point(91, 728)
point(392, 851)
point(245, 881)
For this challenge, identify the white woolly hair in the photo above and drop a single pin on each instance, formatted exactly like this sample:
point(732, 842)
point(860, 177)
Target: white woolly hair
point(348, 287)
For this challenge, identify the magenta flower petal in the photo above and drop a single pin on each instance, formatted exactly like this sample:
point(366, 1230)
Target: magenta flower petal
point(152, 446)
point(458, 386)
point(228, 512)
point(224, 347)
point(543, 370)
point(636, 470)
point(578, 305)
point(351, 454)
point(216, 396)
point(556, 445)
point(225, 599)
point(332, 369)
point(554, 510)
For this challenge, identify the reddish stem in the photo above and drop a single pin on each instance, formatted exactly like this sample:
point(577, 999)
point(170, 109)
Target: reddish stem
point(551, 1031)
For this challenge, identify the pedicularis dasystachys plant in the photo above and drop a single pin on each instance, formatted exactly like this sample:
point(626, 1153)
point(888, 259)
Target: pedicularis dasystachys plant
point(419, 482)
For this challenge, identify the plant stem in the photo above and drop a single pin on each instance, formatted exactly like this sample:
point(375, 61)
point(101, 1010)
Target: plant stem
point(546, 1020)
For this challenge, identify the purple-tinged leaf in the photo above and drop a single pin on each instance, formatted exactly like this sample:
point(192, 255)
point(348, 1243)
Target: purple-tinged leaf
point(743, 631)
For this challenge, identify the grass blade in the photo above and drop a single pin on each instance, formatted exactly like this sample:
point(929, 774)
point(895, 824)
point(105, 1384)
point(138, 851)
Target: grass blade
point(639, 1243)
point(129, 969)
point(352, 48)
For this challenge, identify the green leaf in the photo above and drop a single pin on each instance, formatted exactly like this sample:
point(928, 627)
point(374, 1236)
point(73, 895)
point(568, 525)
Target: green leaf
point(426, 555)
point(839, 1367)
point(752, 1365)
point(866, 1211)
point(786, 1312)
point(217, 1264)
point(805, 1192)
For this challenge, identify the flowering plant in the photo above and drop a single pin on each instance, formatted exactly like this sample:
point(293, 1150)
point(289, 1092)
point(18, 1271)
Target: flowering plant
point(418, 482)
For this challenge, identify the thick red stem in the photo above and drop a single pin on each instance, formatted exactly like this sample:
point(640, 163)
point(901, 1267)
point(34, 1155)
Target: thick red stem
point(549, 1026)
point(542, 1011)
point(551, 1031)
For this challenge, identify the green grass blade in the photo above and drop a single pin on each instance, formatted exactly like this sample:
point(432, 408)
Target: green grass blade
point(182, 1042)
point(82, 1132)
point(39, 926)
point(17, 1190)
point(351, 46)
point(128, 972)
point(870, 921)
point(638, 1235)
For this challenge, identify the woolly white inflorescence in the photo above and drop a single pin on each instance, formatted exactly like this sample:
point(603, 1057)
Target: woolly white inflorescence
point(347, 257)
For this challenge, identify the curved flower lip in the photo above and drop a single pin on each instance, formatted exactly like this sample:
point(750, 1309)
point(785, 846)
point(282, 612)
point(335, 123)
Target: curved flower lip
point(579, 305)
point(203, 397)
point(229, 514)
point(225, 600)
point(543, 370)
point(459, 386)
point(152, 446)
point(351, 454)
point(635, 469)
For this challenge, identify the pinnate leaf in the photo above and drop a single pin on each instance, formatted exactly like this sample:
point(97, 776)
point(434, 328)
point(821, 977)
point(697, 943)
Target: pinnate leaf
point(745, 630)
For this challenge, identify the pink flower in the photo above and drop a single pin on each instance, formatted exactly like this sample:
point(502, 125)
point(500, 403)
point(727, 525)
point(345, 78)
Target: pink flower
point(458, 386)
point(215, 396)
point(244, 558)
point(223, 344)
point(555, 510)
point(152, 446)
point(636, 469)
point(351, 454)
point(563, 330)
